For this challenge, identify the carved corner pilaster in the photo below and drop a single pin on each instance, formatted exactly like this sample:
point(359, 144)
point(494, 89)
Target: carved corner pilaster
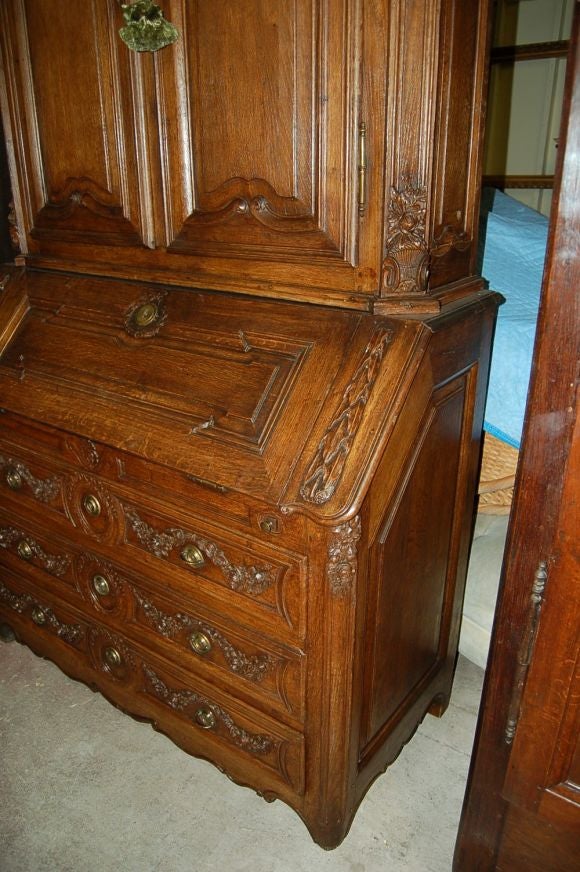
point(406, 262)
point(341, 567)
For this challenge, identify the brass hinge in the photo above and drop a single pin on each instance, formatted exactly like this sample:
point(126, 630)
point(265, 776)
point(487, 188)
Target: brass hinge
point(526, 650)
point(362, 168)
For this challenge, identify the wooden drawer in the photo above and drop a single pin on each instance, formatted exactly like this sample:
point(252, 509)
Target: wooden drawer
point(259, 583)
point(251, 666)
point(202, 719)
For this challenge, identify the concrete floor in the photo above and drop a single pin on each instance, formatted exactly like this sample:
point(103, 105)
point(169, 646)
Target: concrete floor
point(86, 788)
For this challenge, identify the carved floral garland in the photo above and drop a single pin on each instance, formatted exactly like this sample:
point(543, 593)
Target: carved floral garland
point(327, 466)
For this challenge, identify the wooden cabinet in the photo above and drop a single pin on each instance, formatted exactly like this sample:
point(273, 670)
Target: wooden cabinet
point(242, 373)
point(326, 151)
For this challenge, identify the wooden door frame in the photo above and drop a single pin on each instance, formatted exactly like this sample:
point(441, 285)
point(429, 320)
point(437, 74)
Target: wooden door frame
point(533, 525)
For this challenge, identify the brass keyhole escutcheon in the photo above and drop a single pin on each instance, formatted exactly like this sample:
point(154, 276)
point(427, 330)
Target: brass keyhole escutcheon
point(200, 643)
point(192, 556)
point(13, 479)
point(38, 616)
point(145, 315)
point(91, 505)
point(205, 718)
point(24, 550)
point(112, 657)
point(101, 585)
point(269, 524)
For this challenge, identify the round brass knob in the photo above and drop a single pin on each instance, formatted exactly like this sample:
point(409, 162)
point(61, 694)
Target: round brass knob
point(24, 550)
point(91, 505)
point(200, 643)
point(205, 718)
point(38, 616)
point(112, 657)
point(13, 479)
point(192, 556)
point(145, 314)
point(101, 585)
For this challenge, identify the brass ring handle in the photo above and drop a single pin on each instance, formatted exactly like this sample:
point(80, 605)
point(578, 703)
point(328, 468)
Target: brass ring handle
point(100, 585)
point(200, 643)
point(112, 657)
point(24, 550)
point(91, 505)
point(14, 479)
point(205, 718)
point(38, 616)
point(192, 556)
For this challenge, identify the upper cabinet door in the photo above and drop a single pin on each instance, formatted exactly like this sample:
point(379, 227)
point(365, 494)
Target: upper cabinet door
point(259, 125)
point(80, 158)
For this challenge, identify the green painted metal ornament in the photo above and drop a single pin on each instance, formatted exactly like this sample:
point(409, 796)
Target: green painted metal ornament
point(146, 28)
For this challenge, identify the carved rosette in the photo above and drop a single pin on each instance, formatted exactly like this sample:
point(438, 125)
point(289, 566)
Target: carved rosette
point(43, 489)
point(55, 564)
point(406, 262)
point(182, 700)
point(326, 468)
point(254, 667)
point(42, 615)
point(246, 579)
point(342, 560)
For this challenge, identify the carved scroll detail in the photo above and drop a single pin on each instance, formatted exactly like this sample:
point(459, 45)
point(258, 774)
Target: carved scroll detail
point(325, 470)
point(53, 563)
point(254, 199)
point(70, 633)
point(342, 551)
point(250, 579)
point(254, 667)
point(181, 700)
point(44, 489)
point(405, 267)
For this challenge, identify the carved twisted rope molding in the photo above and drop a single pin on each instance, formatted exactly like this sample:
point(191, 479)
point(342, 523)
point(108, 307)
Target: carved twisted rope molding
point(250, 579)
point(327, 466)
point(254, 667)
point(181, 700)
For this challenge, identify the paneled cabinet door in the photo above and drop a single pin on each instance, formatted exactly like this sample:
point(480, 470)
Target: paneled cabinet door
point(259, 128)
point(80, 146)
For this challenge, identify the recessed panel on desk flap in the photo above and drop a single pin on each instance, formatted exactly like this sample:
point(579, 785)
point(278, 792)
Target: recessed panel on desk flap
point(219, 386)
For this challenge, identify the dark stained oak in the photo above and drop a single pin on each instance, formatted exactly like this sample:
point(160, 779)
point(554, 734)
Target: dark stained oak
point(243, 363)
point(522, 806)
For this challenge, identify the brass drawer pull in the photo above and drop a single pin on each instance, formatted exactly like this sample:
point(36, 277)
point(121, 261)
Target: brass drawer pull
point(145, 315)
point(200, 643)
point(205, 718)
point(24, 550)
point(14, 479)
point(91, 505)
point(192, 556)
point(112, 657)
point(38, 616)
point(100, 585)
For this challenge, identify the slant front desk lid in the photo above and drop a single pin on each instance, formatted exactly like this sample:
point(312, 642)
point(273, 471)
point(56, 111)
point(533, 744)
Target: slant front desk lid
point(284, 401)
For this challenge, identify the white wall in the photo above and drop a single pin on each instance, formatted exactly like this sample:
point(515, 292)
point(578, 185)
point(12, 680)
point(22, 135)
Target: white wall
point(526, 97)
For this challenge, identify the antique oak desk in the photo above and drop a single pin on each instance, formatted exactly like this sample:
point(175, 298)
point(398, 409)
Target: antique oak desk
point(243, 363)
